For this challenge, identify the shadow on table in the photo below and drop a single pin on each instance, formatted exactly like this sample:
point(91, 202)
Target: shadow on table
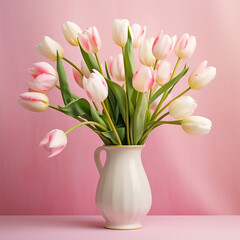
point(81, 222)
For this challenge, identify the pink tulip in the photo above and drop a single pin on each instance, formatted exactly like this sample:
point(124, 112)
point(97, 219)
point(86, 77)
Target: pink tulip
point(54, 142)
point(45, 77)
point(34, 101)
point(143, 79)
point(116, 67)
point(163, 45)
point(163, 72)
point(138, 34)
point(90, 40)
point(78, 77)
point(185, 46)
point(201, 76)
point(96, 87)
point(145, 53)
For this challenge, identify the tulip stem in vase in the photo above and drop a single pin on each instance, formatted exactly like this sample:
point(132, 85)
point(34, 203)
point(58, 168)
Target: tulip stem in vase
point(155, 114)
point(86, 123)
point(152, 90)
point(111, 123)
point(71, 63)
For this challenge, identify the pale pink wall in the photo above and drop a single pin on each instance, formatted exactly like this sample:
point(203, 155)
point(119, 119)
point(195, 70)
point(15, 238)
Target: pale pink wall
point(188, 174)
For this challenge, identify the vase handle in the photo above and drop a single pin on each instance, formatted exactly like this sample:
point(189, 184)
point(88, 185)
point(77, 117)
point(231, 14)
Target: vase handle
point(98, 159)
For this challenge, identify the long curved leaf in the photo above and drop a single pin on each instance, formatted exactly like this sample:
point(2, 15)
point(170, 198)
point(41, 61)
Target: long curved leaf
point(65, 90)
point(168, 85)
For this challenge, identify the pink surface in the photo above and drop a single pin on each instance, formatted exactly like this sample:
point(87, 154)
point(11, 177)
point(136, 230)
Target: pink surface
point(91, 227)
point(188, 174)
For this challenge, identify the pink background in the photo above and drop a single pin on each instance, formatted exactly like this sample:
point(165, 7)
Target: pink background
point(188, 174)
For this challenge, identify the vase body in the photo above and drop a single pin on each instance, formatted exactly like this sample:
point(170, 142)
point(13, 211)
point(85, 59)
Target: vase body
point(123, 195)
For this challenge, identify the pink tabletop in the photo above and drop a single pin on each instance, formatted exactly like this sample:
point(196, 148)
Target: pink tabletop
point(91, 227)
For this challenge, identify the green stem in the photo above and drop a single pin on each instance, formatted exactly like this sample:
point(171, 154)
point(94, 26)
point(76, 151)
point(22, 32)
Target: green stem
point(99, 64)
point(86, 123)
point(129, 138)
point(57, 86)
point(155, 65)
point(96, 107)
point(54, 107)
point(172, 101)
point(150, 128)
point(111, 123)
point(155, 114)
point(151, 90)
point(127, 121)
point(71, 63)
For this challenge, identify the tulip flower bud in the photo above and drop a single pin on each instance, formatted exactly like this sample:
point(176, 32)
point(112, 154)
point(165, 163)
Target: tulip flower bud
point(34, 101)
point(96, 87)
point(70, 31)
point(90, 40)
point(143, 79)
point(138, 34)
point(116, 67)
point(185, 46)
point(120, 31)
point(45, 77)
point(78, 76)
point(145, 53)
point(182, 107)
point(48, 48)
point(163, 72)
point(201, 76)
point(54, 142)
point(196, 125)
point(163, 45)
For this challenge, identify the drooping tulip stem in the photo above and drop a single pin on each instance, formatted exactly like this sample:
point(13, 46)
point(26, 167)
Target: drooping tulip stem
point(86, 123)
point(111, 123)
point(155, 114)
point(99, 64)
point(71, 63)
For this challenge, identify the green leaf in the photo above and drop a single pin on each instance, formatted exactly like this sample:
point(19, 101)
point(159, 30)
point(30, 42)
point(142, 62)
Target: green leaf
point(96, 117)
point(78, 107)
point(119, 94)
point(111, 135)
point(139, 117)
point(168, 85)
point(89, 60)
point(129, 67)
point(65, 90)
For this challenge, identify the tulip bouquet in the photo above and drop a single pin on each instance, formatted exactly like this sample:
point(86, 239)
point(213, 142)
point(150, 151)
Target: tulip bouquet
point(125, 111)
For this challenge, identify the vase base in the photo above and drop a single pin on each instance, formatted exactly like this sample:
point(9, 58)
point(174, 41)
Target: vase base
point(124, 227)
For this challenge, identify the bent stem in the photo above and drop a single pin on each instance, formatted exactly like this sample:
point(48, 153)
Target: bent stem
point(71, 63)
point(156, 124)
point(111, 123)
point(155, 114)
point(86, 123)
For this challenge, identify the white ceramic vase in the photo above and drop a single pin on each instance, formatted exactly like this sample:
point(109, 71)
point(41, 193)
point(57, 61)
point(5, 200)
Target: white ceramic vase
point(123, 195)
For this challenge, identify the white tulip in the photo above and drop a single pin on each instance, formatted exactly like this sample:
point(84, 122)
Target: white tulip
point(196, 125)
point(182, 107)
point(120, 31)
point(48, 48)
point(70, 31)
